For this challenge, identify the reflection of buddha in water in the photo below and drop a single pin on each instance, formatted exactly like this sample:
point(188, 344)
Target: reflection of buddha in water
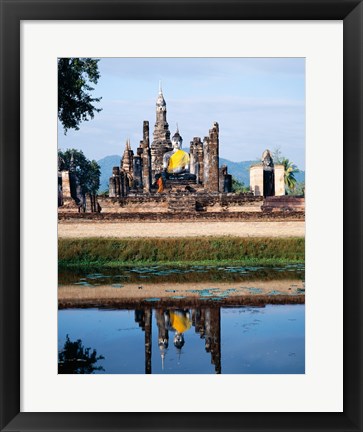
point(180, 321)
point(177, 160)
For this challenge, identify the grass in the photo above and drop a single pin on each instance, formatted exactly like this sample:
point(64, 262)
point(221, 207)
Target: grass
point(110, 252)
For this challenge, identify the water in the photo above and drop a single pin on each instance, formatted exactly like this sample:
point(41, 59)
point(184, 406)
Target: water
point(181, 274)
point(182, 320)
point(191, 340)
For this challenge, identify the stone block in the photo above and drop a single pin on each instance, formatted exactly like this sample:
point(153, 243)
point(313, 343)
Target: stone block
point(279, 180)
point(256, 180)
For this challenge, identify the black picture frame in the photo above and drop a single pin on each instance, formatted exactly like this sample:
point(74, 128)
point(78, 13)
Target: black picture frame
point(12, 12)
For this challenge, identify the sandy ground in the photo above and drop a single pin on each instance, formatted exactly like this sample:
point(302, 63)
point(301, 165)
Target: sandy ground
point(180, 229)
point(185, 290)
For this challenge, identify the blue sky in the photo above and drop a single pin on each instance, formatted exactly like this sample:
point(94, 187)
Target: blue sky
point(259, 103)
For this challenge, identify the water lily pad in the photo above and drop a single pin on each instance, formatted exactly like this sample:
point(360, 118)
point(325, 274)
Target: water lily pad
point(253, 290)
point(85, 284)
point(275, 292)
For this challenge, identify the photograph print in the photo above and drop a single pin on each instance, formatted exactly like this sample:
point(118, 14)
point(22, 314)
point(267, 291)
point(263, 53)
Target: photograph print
point(181, 215)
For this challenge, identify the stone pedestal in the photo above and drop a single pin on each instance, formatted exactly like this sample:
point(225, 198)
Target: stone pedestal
point(179, 203)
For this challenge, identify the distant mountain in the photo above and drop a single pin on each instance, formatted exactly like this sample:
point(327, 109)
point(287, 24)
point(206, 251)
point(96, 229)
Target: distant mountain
point(239, 170)
point(106, 164)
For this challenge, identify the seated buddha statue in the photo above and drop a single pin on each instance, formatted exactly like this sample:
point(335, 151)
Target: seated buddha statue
point(177, 160)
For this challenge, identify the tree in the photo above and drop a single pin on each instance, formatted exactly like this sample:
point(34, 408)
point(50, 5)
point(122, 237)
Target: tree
point(277, 156)
point(75, 103)
point(93, 177)
point(88, 172)
point(290, 171)
point(75, 359)
point(239, 187)
point(299, 189)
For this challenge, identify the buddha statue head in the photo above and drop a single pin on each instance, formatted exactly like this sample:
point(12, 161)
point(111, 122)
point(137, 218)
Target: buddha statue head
point(177, 141)
point(179, 340)
point(266, 159)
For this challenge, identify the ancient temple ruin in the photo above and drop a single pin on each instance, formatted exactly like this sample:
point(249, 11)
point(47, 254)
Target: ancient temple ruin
point(163, 181)
point(266, 178)
point(205, 321)
point(71, 198)
point(163, 165)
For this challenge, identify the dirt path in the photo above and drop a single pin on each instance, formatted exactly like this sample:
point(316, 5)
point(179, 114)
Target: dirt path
point(180, 229)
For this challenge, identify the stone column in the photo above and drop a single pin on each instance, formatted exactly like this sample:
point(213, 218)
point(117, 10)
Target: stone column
point(196, 159)
point(225, 181)
point(200, 163)
point(214, 332)
point(193, 158)
point(137, 169)
point(211, 160)
point(148, 327)
point(222, 179)
point(112, 187)
point(114, 183)
point(279, 180)
point(122, 184)
point(146, 159)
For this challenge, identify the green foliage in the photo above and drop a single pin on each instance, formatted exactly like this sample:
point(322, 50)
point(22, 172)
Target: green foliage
point(290, 171)
point(88, 172)
point(75, 103)
point(75, 359)
point(277, 156)
point(239, 186)
point(299, 189)
point(103, 251)
point(93, 177)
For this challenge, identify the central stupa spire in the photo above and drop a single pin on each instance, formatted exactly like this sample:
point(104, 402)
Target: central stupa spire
point(161, 142)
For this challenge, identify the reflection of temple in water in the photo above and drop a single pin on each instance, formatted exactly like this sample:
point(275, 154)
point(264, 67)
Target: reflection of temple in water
point(143, 318)
point(206, 321)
